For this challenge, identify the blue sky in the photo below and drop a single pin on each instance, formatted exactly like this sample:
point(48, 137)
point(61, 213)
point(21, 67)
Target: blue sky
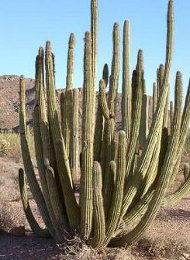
point(26, 25)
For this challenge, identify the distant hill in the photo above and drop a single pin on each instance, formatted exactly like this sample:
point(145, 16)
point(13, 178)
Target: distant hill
point(9, 101)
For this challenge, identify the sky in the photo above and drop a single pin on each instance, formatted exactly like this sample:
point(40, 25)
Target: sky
point(27, 25)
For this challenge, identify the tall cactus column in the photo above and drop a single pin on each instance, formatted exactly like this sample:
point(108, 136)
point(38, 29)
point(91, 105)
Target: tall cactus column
point(86, 195)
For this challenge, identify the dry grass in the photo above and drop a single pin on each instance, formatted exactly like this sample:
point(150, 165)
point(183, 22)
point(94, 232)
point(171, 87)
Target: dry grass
point(10, 146)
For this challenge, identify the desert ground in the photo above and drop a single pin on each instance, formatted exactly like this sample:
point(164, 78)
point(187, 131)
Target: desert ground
point(167, 238)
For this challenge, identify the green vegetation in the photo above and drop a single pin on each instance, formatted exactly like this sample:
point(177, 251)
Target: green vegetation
point(125, 174)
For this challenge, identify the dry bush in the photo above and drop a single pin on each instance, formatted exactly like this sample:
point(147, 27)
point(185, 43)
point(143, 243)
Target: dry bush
point(10, 145)
point(160, 249)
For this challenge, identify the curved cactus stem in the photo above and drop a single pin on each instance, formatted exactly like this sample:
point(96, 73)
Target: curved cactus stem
point(26, 206)
point(117, 197)
point(98, 216)
point(166, 171)
point(132, 216)
point(157, 120)
point(60, 220)
point(126, 85)
point(73, 212)
point(136, 110)
point(28, 166)
point(59, 145)
point(181, 191)
point(185, 123)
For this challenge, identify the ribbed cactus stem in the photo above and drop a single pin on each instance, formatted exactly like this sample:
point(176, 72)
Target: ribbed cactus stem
point(105, 74)
point(114, 78)
point(28, 212)
point(94, 32)
point(143, 132)
point(103, 100)
point(158, 117)
point(87, 142)
point(70, 62)
point(117, 197)
point(136, 110)
point(160, 77)
point(126, 85)
point(75, 168)
point(28, 166)
point(63, 166)
point(155, 98)
point(98, 215)
point(181, 191)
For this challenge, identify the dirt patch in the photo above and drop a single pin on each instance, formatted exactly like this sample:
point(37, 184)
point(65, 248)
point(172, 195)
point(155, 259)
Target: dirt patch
point(167, 238)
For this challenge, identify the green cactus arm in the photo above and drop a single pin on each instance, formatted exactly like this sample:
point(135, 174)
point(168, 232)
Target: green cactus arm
point(132, 216)
point(41, 166)
point(114, 78)
point(165, 174)
point(143, 132)
point(117, 197)
point(98, 208)
point(26, 206)
point(99, 131)
point(66, 103)
point(86, 192)
point(63, 166)
point(28, 166)
point(185, 123)
point(178, 195)
point(136, 111)
point(47, 144)
point(155, 98)
point(103, 100)
point(73, 212)
point(126, 85)
point(171, 113)
point(107, 177)
point(70, 62)
point(157, 119)
point(74, 151)
point(183, 133)
point(60, 218)
point(66, 99)
point(94, 32)
point(105, 74)
point(160, 77)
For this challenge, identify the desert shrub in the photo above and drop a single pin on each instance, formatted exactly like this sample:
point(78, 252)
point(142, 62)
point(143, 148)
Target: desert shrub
point(10, 146)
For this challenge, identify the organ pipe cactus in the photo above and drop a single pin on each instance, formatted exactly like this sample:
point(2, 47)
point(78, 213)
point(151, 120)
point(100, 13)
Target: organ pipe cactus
point(124, 175)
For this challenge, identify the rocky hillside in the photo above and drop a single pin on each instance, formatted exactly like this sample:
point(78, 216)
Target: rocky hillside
point(9, 100)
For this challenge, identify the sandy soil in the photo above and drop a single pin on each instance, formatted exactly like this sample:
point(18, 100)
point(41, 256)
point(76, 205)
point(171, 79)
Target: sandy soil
point(167, 238)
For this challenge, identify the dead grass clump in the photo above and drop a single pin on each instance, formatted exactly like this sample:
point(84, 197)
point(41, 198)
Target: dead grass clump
point(160, 249)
